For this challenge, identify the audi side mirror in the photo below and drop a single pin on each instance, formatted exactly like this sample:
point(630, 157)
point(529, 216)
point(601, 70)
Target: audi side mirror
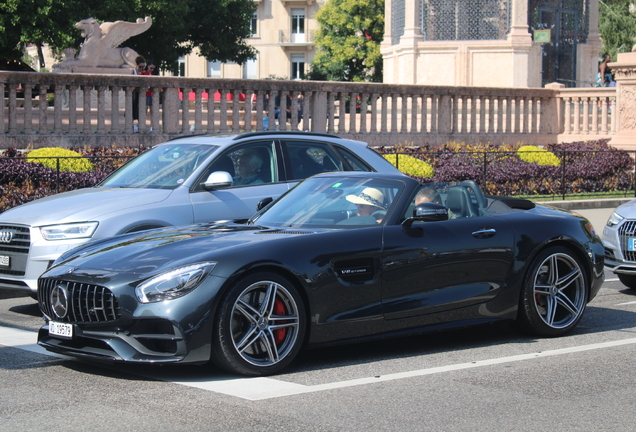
point(218, 180)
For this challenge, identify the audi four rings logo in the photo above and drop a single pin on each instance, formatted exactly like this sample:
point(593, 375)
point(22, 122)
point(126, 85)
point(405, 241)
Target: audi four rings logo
point(59, 301)
point(6, 236)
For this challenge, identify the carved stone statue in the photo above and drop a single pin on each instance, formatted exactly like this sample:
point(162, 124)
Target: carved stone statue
point(100, 47)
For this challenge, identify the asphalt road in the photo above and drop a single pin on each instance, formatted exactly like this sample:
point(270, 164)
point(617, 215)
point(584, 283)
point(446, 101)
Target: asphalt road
point(480, 379)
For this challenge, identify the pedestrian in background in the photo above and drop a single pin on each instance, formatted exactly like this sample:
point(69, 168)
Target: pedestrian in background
point(140, 61)
point(604, 77)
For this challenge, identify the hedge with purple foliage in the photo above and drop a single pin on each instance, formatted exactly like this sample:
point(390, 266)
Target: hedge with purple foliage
point(22, 181)
point(590, 167)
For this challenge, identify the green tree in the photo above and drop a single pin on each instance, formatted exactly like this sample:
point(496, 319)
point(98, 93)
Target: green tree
point(219, 27)
point(348, 43)
point(617, 25)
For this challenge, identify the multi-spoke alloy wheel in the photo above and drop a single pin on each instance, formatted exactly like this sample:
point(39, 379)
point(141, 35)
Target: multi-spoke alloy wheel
point(555, 293)
point(260, 326)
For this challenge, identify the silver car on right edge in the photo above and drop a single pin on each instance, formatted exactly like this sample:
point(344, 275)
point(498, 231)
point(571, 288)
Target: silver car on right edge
point(619, 239)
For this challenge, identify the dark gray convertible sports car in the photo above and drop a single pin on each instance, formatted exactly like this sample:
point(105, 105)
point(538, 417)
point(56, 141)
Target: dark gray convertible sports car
point(341, 257)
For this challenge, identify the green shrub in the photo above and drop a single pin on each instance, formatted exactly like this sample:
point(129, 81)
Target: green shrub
point(75, 163)
point(534, 154)
point(410, 165)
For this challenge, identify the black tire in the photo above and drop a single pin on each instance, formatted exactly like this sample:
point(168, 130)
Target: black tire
point(260, 326)
point(627, 279)
point(554, 294)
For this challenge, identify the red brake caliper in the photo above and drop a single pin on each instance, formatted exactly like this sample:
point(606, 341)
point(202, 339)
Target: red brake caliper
point(279, 334)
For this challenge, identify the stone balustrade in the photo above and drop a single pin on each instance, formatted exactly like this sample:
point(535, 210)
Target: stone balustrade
point(95, 110)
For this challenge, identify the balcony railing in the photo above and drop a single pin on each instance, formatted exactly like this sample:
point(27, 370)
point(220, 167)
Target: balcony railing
point(287, 38)
point(44, 109)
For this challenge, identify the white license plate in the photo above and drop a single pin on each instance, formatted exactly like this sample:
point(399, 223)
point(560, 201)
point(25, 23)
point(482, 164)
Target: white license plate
point(631, 244)
point(5, 261)
point(60, 329)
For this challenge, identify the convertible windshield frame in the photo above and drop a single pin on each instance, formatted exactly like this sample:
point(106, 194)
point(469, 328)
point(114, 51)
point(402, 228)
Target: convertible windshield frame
point(330, 202)
point(166, 166)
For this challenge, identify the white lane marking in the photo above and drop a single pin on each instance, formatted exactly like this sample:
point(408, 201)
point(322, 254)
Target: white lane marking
point(612, 280)
point(267, 388)
point(626, 303)
point(26, 340)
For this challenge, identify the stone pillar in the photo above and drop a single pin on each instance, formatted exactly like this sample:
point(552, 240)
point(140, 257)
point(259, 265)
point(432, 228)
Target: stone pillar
point(589, 52)
point(519, 30)
point(625, 74)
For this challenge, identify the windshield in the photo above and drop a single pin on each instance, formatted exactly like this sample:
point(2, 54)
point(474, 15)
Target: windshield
point(162, 167)
point(334, 202)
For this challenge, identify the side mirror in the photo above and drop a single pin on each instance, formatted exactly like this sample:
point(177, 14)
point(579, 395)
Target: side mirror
point(263, 203)
point(427, 212)
point(218, 180)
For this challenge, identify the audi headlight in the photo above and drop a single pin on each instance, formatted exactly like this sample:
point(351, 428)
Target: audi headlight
point(174, 283)
point(69, 231)
point(614, 219)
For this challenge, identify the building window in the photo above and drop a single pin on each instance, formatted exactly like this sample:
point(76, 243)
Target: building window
point(254, 24)
point(250, 69)
point(182, 66)
point(214, 69)
point(298, 25)
point(297, 66)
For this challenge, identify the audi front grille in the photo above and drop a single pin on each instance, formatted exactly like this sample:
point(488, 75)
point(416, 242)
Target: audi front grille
point(15, 241)
point(626, 232)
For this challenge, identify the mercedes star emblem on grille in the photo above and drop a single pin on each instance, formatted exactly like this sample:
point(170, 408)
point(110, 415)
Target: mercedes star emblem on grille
point(6, 236)
point(59, 301)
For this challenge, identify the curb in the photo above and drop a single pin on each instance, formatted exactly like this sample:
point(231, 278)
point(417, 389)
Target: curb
point(587, 204)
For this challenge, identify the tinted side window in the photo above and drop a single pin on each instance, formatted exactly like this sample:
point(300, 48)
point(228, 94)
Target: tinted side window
point(250, 164)
point(354, 161)
point(310, 158)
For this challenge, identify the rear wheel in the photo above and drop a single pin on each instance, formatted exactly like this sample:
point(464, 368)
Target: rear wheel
point(554, 295)
point(628, 280)
point(260, 326)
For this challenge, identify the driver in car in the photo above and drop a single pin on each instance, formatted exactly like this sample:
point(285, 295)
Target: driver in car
point(249, 164)
point(369, 202)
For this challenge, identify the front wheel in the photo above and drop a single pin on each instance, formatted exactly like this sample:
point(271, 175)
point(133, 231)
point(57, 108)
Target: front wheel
point(554, 294)
point(260, 326)
point(628, 280)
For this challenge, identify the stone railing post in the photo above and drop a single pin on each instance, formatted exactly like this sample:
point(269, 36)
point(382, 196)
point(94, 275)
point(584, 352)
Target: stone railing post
point(554, 114)
point(171, 110)
point(625, 74)
point(319, 112)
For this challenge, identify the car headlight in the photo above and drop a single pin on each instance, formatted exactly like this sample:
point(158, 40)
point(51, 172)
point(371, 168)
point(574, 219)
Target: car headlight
point(69, 231)
point(174, 283)
point(614, 219)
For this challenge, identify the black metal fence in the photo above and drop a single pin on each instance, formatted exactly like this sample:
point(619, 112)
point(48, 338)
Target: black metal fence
point(576, 175)
point(572, 174)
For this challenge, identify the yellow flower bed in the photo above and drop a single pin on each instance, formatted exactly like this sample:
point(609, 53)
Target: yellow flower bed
point(49, 155)
point(410, 165)
point(534, 154)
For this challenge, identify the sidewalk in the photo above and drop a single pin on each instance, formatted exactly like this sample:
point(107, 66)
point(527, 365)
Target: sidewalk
point(587, 204)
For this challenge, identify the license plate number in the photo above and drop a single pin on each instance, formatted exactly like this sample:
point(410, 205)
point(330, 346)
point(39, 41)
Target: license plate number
point(631, 244)
point(60, 329)
point(5, 261)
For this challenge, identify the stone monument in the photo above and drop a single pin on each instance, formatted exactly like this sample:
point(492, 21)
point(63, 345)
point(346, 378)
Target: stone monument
point(100, 53)
point(625, 74)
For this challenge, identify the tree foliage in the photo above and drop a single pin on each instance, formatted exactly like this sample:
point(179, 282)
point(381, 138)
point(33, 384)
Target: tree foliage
point(617, 25)
point(348, 43)
point(219, 28)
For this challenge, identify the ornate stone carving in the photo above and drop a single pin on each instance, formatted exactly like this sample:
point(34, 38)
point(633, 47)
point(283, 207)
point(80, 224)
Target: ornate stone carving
point(100, 47)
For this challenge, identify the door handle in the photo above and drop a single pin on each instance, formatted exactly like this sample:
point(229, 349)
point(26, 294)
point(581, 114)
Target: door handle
point(484, 232)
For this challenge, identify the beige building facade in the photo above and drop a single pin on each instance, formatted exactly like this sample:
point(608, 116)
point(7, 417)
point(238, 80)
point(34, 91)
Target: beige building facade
point(491, 43)
point(481, 43)
point(283, 34)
